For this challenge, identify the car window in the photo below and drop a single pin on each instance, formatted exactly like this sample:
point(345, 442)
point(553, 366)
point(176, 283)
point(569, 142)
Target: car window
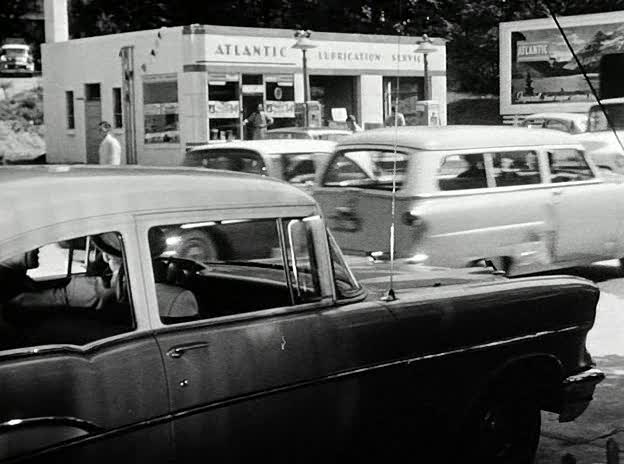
point(70, 292)
point(303, 270)
point(533, 122)
point(344, 282)
point(14, 52)
point(459, 172)
point(331, 137)
point(372, 169)
point(233, 159)
point(557, 124)
point(515, 168)
point(288, 135)
point(300, 167)
point(219, 268)
point(568, 165)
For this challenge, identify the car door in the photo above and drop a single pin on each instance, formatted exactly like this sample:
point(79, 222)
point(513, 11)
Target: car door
point(355, 194)
point(79, 383)
point(497, 212)
point(584, 207)
point(252, 375)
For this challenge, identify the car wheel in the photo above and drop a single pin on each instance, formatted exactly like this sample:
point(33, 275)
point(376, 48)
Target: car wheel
point(198, 246)
point(503, 429)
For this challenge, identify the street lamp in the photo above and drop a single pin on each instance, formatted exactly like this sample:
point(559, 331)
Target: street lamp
point(304, 44)
point(425, 47)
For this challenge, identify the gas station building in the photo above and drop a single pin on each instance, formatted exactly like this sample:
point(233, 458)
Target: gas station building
point(169, 89)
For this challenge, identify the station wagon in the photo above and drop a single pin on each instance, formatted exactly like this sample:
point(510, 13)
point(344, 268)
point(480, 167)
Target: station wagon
point(114, 348)
point(526, 199)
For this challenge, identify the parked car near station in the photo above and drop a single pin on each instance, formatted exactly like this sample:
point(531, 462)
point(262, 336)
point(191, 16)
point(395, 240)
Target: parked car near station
point(294, 161)
point(316, 133)
point(571, 123)
point(146, 356)
point(16, 58)
point(526, 199)
point(602, 142)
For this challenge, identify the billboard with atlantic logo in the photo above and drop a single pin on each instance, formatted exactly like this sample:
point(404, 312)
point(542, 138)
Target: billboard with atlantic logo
point(539, 71)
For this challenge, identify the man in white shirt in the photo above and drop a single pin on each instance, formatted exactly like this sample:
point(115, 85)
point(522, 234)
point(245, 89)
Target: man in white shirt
point(110, 149)
point(394, 118)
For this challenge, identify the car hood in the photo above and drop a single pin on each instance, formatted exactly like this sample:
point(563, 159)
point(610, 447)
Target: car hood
point(375, 277)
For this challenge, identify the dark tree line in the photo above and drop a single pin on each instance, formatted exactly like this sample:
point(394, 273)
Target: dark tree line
point(470, 26)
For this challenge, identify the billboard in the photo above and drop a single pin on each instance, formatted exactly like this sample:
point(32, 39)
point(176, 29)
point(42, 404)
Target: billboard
point(538, 72)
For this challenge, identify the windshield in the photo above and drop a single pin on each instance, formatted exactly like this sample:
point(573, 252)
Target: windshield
point(599, 122)
point(14, 52)
point(301, 167)
point(234, 159)
point(331, 136)
point(366, 168)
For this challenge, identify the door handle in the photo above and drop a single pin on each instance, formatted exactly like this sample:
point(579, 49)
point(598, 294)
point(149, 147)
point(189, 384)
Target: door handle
point(344, 210)
point(178, 351)
point(557, 192)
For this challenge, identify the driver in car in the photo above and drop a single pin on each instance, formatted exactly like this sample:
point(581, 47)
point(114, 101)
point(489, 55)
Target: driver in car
point(90, 292)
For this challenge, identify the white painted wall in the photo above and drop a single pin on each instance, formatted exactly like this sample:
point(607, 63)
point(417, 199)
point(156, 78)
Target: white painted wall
point(69, 65)
point(370, 99)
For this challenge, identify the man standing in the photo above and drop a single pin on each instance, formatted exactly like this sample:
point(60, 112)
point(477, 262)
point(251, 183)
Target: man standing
point(394, 118)
point(257, 122)
point(110, 149)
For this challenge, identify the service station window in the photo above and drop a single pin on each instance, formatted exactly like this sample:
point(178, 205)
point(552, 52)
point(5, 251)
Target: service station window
point(160, 108)
point(69, 106)
point(117, 112)
point(280, 98)
point(224, 106)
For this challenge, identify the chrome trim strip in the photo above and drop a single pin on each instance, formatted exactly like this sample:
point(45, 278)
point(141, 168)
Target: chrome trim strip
point(88, 350)
point(492, 228)
point(86, 426)
point(501, 190)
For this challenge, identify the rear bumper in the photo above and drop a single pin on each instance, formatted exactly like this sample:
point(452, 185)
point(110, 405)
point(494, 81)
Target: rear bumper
point(578, 391)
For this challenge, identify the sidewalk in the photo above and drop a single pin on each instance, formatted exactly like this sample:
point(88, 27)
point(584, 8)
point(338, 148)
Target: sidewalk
point(586, 437)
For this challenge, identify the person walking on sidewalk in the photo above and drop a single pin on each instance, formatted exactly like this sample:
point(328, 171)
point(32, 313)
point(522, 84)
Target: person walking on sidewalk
point(110, 149)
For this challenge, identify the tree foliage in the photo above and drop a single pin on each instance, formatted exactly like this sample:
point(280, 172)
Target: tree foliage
point(470, 26)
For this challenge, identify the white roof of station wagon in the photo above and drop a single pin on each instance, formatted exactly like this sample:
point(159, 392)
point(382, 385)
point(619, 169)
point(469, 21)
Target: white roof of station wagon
point(568, 116)
point(459, 137)
point(37, 196)
point(274, 146)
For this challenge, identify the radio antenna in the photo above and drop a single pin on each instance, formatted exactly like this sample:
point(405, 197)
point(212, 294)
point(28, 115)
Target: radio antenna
point(585, 76)
point(390, 294)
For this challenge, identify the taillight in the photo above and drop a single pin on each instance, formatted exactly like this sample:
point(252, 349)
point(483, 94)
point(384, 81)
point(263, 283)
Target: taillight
point(412, 219)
